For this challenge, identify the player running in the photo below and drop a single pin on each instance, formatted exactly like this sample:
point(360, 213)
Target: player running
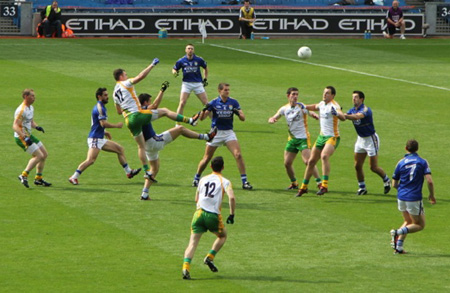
point(96, 139)
point(209, 195)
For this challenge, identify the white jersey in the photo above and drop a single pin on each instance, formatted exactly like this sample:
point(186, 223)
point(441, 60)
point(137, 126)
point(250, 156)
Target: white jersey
point(329, 124)
point(24, 114)
point(297, 121)
point(125, 96)
point(211, 190)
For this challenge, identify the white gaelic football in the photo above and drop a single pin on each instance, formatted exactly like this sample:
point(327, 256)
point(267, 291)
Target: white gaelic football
point(304, 53)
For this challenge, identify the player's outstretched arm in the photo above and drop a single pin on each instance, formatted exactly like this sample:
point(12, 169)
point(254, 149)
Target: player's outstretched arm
point(106, 124)
point(145, 72)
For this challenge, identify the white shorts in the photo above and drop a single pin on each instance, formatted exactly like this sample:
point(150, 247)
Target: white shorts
point(222, 137)
point(156, 144)
point(369, 145)
point(34, 147)
point(96, 143)
point(196, 87)
point(414, 208)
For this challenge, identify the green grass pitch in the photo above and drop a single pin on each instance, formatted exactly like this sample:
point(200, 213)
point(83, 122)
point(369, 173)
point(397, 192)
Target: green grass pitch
point(99, 237)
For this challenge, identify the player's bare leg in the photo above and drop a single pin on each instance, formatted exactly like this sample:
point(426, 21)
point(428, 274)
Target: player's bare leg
point(189, 254)
point(289, 158)
point(209, 152)
point(306, 154)
point(183, 100)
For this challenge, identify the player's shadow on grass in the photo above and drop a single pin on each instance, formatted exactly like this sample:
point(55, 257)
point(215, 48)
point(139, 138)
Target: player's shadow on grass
point(268, 279)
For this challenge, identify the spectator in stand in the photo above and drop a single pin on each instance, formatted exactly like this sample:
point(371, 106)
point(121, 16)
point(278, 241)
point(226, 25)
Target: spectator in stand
point(52, 18)
point(395, 20)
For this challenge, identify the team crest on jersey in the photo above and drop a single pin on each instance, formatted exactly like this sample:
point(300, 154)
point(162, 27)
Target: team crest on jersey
point(230, 107)
point(195, 63)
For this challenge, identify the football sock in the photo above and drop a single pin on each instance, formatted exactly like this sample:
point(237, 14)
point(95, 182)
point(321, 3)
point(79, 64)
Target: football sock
point(181, 118)
point(325, 181)
point(203, 136)
point(402, 231)
point(77, 174)
point(318, 181)
point(304, 184)
point(386, 178)
point(144, 192)
point(145, 167)
point(186, 263)
point(38, 176)
point(126, 168)
point(243, 178)
point(362, 184)
point(399, 245)
point(25, 173)
point(211, 254)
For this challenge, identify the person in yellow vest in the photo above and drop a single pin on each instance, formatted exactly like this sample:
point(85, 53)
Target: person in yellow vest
point(52, 18)
point(247, 17)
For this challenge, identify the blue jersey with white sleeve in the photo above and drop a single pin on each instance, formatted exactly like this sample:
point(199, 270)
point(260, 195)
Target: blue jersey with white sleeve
point(223, 112)
point(410, 171)
point(191, 68)
point(98, 114)
point(147, 129)
point(364, 127)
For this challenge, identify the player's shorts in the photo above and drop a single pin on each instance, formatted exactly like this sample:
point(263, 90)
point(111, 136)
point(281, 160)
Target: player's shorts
point(204, 221)
point(29, 149)
point(296, 145)
point(189, 87)
point(412, 207)
point(369, 145)
point(136, 120)
point(322, 140)
point(155, 144)
point(391, 30)
point(222, 137)
point(96, 143)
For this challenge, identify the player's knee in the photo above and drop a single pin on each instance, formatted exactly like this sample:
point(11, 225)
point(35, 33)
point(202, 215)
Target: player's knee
point(238, 156)
point(374, 169)
point(120, 150)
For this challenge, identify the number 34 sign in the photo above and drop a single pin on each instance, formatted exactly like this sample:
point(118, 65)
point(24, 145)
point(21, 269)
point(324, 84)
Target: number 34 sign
point(10, 10)
point(444, 11)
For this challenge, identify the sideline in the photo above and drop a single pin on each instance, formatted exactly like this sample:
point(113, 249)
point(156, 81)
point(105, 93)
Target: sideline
point(333, 67)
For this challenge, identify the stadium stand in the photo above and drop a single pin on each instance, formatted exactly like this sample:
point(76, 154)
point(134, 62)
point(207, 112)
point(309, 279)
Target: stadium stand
point(189, 4)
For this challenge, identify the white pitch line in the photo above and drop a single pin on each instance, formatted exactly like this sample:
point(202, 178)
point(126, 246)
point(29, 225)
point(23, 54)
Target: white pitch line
point(333, 67)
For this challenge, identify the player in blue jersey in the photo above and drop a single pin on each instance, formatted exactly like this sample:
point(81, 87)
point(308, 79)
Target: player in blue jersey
point(408, 179)
point(367, 142)
point(223, 108)
point(190, 65)
point(97, 141)
point(154, 142)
